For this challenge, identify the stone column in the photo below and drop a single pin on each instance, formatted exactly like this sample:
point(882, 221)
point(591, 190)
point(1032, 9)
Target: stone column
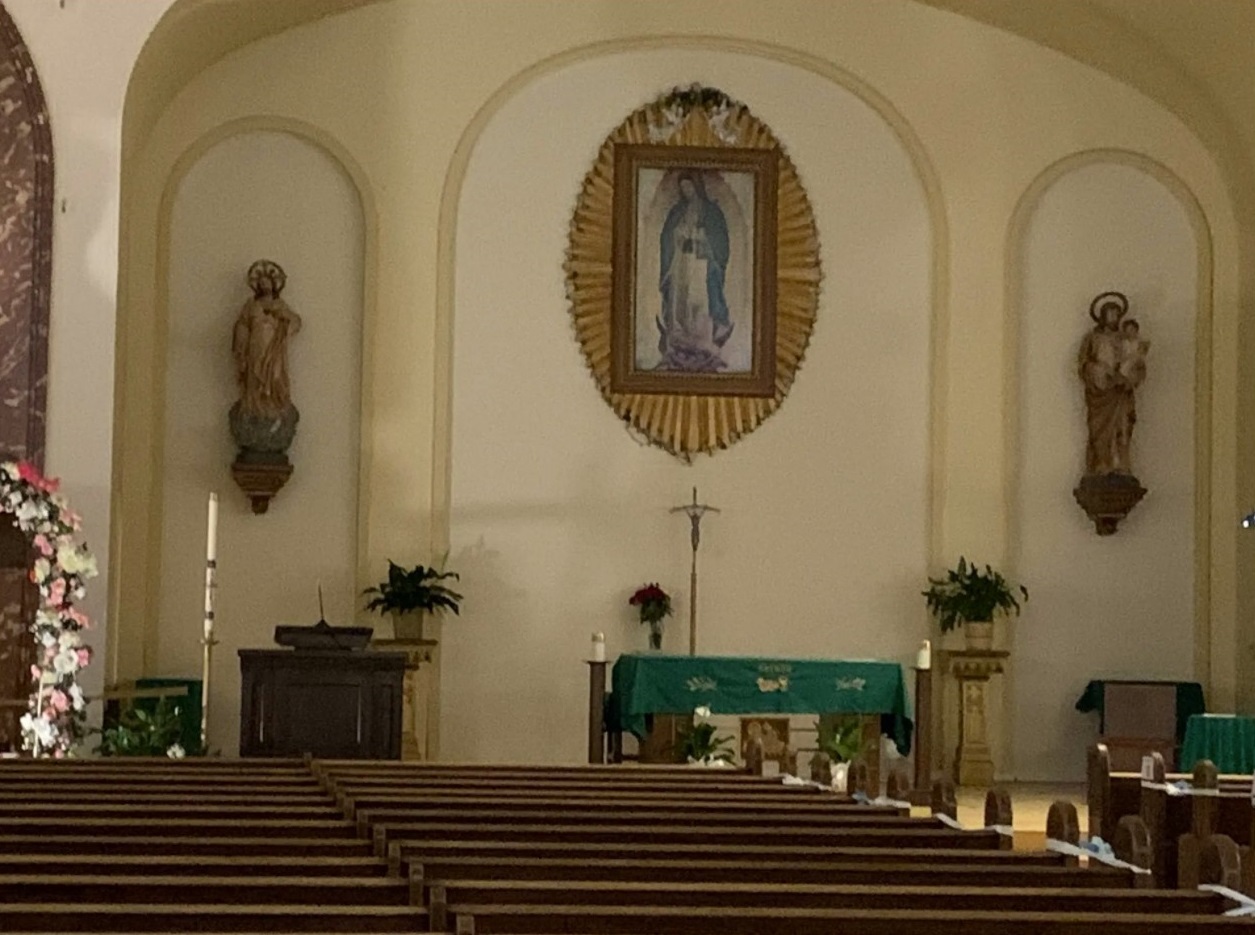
point(973, 668)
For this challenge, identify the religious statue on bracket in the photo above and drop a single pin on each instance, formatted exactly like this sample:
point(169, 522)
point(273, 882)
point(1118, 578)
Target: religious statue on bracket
point(263, 420)
point(1111, 365)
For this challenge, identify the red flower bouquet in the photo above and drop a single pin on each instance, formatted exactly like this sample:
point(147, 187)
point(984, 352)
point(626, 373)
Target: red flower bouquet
point(654, 604)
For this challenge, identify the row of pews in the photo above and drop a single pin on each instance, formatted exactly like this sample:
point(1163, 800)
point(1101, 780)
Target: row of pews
point(337, 846)
point(1174, 814)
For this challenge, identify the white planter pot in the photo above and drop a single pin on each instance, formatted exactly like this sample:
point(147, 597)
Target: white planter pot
point(841, 777)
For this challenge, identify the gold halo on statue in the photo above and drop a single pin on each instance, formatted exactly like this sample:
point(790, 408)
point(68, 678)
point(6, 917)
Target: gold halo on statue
point(687, 424)
point(1098, 306)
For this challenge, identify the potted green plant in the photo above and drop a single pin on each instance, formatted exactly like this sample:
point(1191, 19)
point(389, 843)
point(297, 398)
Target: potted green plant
point(409, 594)
point(699, 745)
point(970, 597)
point(842, 740)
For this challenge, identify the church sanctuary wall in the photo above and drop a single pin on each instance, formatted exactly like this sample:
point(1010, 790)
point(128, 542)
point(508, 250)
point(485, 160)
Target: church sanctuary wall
point(559, 512)
point(275, 196)
point(916, 134)
point(1119, 606)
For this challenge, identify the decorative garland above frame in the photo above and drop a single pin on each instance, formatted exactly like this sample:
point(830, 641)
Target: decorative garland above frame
point(693, 271)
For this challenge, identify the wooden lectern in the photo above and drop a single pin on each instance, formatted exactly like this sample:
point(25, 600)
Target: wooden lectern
point(328, 703)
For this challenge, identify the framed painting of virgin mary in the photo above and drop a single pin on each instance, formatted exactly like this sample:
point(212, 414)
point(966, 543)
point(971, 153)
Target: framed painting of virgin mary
point(692, 308)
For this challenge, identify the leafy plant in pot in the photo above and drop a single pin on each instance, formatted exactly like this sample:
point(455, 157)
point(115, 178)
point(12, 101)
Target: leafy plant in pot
point(970, 597)
point(841, 739)
point(409, 594)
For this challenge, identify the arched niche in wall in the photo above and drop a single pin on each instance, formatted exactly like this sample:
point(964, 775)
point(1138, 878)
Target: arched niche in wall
point(1131, 605)
point(25, 274)
point(282, 196)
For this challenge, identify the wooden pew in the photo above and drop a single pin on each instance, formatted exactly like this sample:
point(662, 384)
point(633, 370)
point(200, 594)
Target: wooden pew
point(123, 826)
point(285, 865)
point(855, 870)
point(470, 897)
point(721, 920)
point(175, 845)
point(1168, 817)
point(160, 889)
point(196, 917)
point(607, 833)
point(1111, 795)
point(402, 853)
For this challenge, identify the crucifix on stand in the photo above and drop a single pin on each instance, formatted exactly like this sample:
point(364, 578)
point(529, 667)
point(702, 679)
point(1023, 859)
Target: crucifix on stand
point(695, 511)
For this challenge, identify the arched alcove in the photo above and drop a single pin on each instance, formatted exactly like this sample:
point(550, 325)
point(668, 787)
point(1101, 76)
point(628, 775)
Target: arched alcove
point(280, 196)
point(26, 211)
point(1135, 604)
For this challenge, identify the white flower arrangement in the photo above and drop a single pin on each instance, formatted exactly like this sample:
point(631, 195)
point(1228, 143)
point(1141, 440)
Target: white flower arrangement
point(57, 717)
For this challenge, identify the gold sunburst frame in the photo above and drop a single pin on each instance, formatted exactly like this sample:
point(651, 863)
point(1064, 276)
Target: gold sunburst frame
point(690, 418)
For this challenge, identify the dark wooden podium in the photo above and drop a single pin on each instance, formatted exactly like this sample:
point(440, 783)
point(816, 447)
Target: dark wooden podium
point(327, 703)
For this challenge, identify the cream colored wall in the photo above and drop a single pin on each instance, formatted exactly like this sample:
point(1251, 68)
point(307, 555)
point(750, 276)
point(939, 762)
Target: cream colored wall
point(392, 90)
point(85, 90)
point(259, 195)
point(559, 513)
point(1119, 606)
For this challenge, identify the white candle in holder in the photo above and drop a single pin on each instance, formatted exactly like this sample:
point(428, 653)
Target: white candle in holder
point(599, 647)
point(924, 660)
point(211, 544)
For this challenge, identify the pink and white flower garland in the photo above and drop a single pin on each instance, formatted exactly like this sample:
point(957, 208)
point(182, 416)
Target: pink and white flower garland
point(57, 719)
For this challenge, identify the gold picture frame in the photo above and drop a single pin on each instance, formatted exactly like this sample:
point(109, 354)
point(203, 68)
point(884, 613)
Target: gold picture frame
point(694, 279)
point(615, 277)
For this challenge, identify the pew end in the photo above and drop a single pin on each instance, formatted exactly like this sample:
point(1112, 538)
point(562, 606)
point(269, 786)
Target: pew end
point(944, 800)
point(1062, 823)
point(465, 925)
point(1131, 844)
point(1220, 863)
point(754, 755)
point(1098, 790)
point(860, 780)
point(821, 769)
point(898, 786)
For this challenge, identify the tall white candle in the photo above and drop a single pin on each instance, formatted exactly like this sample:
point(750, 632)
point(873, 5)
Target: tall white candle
point(599, 647)
point(211, 561)
point(211, 544)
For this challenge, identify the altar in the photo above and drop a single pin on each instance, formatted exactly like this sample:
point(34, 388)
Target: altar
point(645, 684)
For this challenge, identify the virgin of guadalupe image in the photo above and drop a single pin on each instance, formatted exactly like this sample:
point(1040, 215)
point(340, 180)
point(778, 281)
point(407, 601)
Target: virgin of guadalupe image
point(694, 249)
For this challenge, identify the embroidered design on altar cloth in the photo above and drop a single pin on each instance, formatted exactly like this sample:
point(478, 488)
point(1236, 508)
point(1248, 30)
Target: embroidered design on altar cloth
point(851, 685)
point(701, 683)
point(774, 685)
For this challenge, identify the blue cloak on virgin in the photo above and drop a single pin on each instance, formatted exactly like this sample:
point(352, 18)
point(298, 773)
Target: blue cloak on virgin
point(715, 228)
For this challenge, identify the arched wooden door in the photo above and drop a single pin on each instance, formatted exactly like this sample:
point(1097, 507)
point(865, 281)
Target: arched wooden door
point(26, 209)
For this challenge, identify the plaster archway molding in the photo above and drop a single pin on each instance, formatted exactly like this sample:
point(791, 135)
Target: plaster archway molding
point(446, 249)
point(1209, 599)
point(134, 579)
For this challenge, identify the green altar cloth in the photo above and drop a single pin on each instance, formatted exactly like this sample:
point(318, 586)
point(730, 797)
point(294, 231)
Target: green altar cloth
point(1226, 739)
point(1189, 702)
point(656, 683)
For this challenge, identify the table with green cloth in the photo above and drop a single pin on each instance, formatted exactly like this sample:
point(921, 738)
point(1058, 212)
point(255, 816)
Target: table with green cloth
point(1228, 740)
point(1189, 700)
point(643, 684)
